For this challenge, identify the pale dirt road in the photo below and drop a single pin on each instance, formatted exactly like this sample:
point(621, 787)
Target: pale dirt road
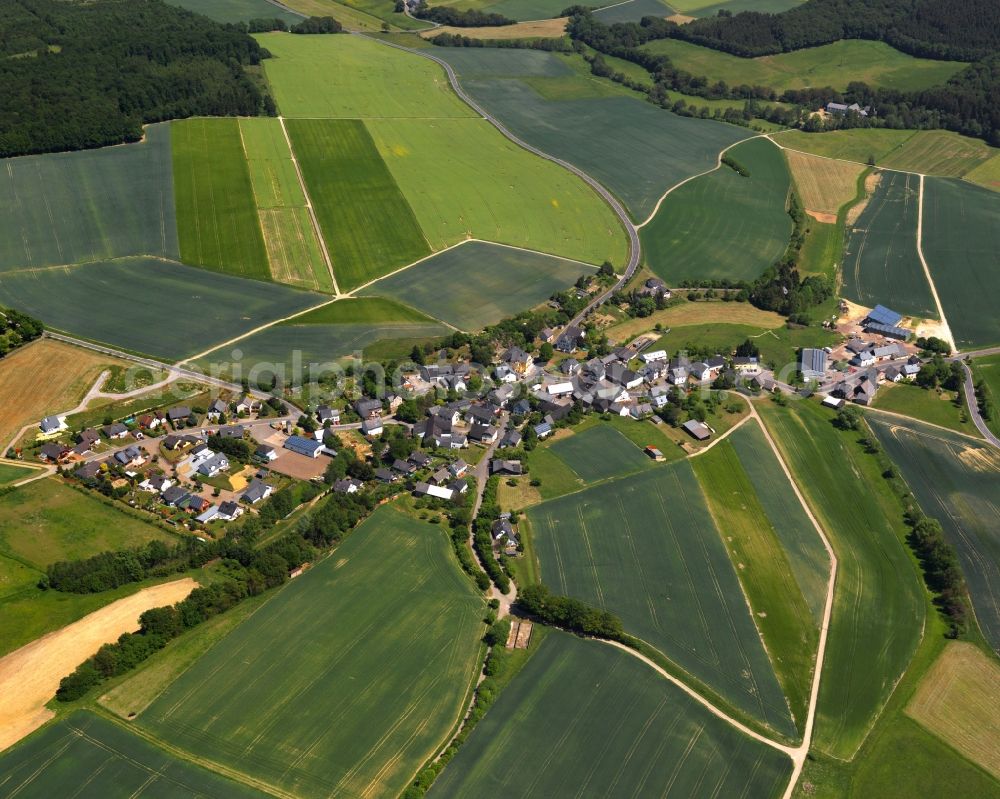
point(29, 676)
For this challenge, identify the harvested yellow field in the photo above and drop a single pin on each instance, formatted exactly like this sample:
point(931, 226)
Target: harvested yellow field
point(43, 378)
point(538, 29)
point(29, 676)
point(824, 185)
point(698, 313)
point(959, 701)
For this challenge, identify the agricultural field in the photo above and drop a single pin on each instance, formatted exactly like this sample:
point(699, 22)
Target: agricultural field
point(66, 208)
point(217, 220)
point(693, 314)
point(961, 242)
point(369, 227)
point(122, 304)
point(987, 174)
point(10, 473)
point(512, 9)
point(988, 370)
point(272, 171)
point(823, 249)
point(537, 29)
point(43, 378)
point(824, 185)
point(478, 284)
point(15, 577)
point(84, 751)
point(645, 548)
point(351, 18)
point(957, 701)
point(836, 64)
point(238, 10)
point(936, 406)
point(879, 604)
point(463, 180)
point(386, 643)
point(701, 8)
point(46, 521)
point(723, 225)
point(584, 719)
point(353, 77)
point(788, 627)
point(956, 480)
point(881, 263)
point(600, 452)
point(632, 11)
point(385, 10)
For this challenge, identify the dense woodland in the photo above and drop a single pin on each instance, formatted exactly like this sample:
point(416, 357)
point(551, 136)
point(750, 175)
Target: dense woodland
point(16, 329)
point(80, 75)
point(969, 103)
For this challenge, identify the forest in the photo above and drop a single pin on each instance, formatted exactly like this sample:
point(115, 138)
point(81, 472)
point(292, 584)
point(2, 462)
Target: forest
point(82, 75)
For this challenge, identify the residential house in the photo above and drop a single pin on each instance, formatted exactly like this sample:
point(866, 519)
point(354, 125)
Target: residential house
point(178, 415)
point(347, 486)
point(88, 437)
point(498, 466)
point(864, 359)
point(504, 374)
point(115, 430)
point(458, 486)
point(521, 407)
point(560, 389)
point(428, 490)
point(194, 504)
point(130, 456)
point(372, 426)
point(325, 414)
point(502, 395)
point(512, 438)
point(746, 365)
point(403, 467)
point(442, 475)
point(208, 515)
point(304, 446)
point(893, 374)
point(368, 408)
point(842, 109)
point(51, 425)
point(156, 484)
point(152, 421)
point(385, 476)
point(654, 287)
point(172, 496)
point(543, 430)
point(653, 356)
point(228, 511)
point(88, 471)
point(480, 414)
point(641, 410)
point(888, 352)
point(484, 434)
point(53, 453)
point(419, 459)
point(546, 335)
point(231, 431)
point(213, 465)
point(570, 339)
point(700, 372)
point(246, 406)
point(518, 360)
point(458, 468)
point(502, 530)
point(265, 453)
point(216, 409)
point(257, 490)
point(716, 364)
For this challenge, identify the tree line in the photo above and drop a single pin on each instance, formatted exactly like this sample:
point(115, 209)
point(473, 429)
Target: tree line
point(82, 75)
point(571, 614)
point(462, 18)
point(16, 329)
point(308, 25)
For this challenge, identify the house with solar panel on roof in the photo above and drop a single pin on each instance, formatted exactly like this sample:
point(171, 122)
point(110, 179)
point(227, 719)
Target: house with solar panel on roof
point(885, 322)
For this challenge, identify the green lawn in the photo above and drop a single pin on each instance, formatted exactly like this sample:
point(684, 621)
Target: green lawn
point(836, 65)
point(369, 227)
point(957, 481)
point(385, 643)
point(84, 754)
point(645, 548)
point(16, 577)
point(722, 337)
point(478, 283)
point(787, 625)
point(217, 219)
point(879, 602)
point(926, 405)
point(464, 179)
point(723, 225)
point(10, 473)
point(779, 347)
point(858, 144)
point(988, 369)
point(110, 202)
point(583, 719)
point(353, 77)
point(600, 452)
point(46, 521)
point(961, 242)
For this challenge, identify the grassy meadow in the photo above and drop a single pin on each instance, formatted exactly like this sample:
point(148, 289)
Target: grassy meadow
point(881, 263)
point(879, 604)
point(10, 473)
point(351, 18)
point(723, 225)
point(987, 369)
point(645, 548)
point(600, 452)
point(957, 481)
point(584, 719)
point(479, 283)
point(386, 646)
point(961, 242)
point(987, 174)
point(216, 215)
point(111, 202)
point(928, 405)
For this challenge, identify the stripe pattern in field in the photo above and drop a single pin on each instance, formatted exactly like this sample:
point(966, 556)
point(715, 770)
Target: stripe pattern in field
point(584, 719)
point(961, 242)
point(824, 184)
point(956, 480)
point(478, 283)
point(881, 264)
point(216, 214)
point(345, 682)
point(599, 453)
point(368, 226)
point(723, 225)
point(645, 548)
point(66, 208)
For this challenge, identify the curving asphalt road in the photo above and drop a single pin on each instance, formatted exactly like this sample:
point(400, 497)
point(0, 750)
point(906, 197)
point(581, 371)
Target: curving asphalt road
point(635, 249)
point(970, 392)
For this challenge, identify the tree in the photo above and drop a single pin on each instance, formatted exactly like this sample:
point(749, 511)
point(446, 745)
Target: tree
point(546, 351)
point(848, 417)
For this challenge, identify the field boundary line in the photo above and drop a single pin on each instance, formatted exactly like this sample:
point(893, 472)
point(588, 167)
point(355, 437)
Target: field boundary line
point(718, 165)
point(899, 415)
point(842, 160)
point(927, 269)
point(309, 205)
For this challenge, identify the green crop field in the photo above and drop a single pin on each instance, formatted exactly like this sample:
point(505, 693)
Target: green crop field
point(722, 337)
point(369, 227)
point(987, 369)
point(272, 172)
point(520, 10)
point(361, 311)
point(600, 452)
point(956, 480)
point(10, 473)
point(385, 10)
point(150, 306)
point(633, 11)
point(961, 242)
point(698, 8)
point(634, 149)
point(385, 635)
point(85, 206)
point(881, 263)
point(352, 77)
point(987, 174)
point(238, 10)
point(928, 405)
point(583, 719)
point(16, 577)
point(46, 521)
point(723, 225)
point(350, 18)
point(857, 145)
point(788, 627)
point(878, 610)
point(464, 179)
point(645, 548)
point(479, 284)
point(86, 755)
point(836, 65)
point(217, 219)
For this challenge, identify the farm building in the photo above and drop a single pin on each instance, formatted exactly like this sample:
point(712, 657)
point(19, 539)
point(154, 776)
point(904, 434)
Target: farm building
point(833, 402)
point(885, 322)
point(698, 430)
point(812, 364)
point(654, 453)
point(303, 446)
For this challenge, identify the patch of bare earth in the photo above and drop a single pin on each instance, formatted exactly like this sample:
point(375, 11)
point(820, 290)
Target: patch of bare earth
point(871, 183)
